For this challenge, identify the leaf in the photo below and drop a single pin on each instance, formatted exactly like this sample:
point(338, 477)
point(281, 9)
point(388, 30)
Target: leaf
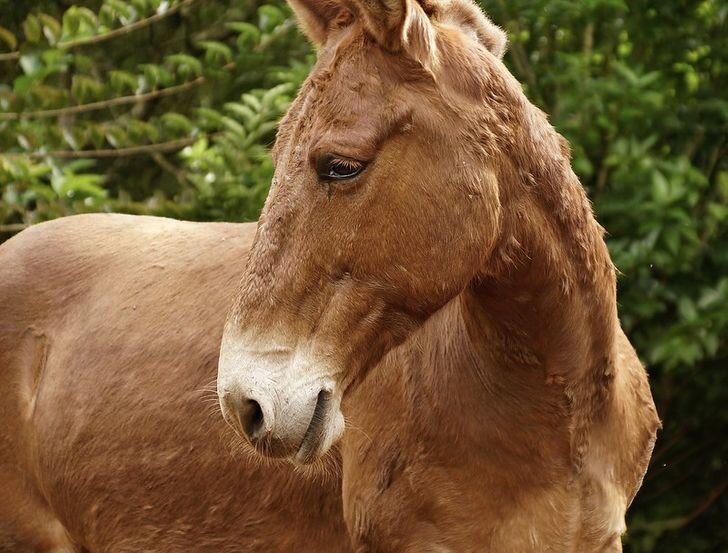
point(72, 138)
point(209, 118)
point(216, 53)
point(195, 150)
point(242, 111)
point(107, 18)
point(78, 22)
point(51, 27)
point(95, 136)
point(77, 165)
point(671, 236)
point(711, 343)
point(274, 93)
point(177, 122)
point(185, 64)
point(156, 75)
point(160, 6)
point(56, 59)
point(270, 17)
point(23, 84)
point(121, 10)
point(660, 188)
point(142, 131)
point(266, 128)
point(71, 23)
point(8, 38)
point(687, 310)
point(253, 102)
point(141, 6)
point(232, 125)
point(247, 32)
point(39, 170)
point(32, 28)
point(79, 186)
point(115, 136)
point(31, 64)
point(86, 89)
point(711, 297)
point(123, 81)
point(87, 17)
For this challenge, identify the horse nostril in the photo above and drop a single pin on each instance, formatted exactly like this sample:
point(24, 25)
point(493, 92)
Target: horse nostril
point(251, 418)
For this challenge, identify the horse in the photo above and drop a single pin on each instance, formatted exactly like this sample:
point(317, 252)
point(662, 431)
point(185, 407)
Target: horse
point(416, 349)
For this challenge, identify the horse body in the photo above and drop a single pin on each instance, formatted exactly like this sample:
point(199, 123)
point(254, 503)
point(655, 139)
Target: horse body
point(479, 447)
point(426, 264)
point(107, 346)
point(109, 336)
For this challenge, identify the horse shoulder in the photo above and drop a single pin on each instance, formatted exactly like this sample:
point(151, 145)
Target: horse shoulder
point(620, 447)
point(68, 287)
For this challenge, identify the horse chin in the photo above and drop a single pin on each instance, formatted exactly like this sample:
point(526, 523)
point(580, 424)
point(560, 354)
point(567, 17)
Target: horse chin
point(325, 429)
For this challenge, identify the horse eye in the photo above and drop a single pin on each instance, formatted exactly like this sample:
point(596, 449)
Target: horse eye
point(332, 167)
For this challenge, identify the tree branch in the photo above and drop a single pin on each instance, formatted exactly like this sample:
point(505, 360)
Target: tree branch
point(676, 523)
point(159, 147)
point(13, 228)
point(102, 104)
point(9, 56)
point(165, 165)
point(110, 34)
point(126, 28)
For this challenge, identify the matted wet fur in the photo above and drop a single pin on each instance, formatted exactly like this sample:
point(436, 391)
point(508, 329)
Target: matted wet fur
point(432, 340)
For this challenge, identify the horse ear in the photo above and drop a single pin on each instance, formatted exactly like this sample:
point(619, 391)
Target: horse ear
point(400, 25)
point(469, 18)
point(316, 18)
point(494, 38)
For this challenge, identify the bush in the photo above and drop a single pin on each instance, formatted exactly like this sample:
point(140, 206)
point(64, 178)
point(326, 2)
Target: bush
point(639, 91)
point(146, 106)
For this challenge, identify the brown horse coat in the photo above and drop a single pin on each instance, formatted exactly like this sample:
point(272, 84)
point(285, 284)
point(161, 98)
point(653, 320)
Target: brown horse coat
point(109, 336)
point(427, 315)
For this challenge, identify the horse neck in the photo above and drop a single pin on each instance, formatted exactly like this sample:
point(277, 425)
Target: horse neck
point(539, 323)
point(550, 278)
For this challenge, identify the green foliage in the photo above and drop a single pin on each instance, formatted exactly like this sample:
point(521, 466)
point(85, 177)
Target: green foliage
point(172, 104)
point(169, 106)
point(639, 90)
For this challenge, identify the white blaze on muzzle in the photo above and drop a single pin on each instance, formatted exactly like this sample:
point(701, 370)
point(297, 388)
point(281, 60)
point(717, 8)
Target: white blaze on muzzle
point(284, 401)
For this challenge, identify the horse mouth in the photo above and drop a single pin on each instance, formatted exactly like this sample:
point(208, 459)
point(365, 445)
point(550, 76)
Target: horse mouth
point(313, 439)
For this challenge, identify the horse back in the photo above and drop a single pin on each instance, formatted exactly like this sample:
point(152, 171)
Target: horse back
point(109, 337)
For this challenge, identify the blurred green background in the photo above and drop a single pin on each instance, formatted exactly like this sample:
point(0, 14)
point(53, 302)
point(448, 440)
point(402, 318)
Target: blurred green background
point(168, 107)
